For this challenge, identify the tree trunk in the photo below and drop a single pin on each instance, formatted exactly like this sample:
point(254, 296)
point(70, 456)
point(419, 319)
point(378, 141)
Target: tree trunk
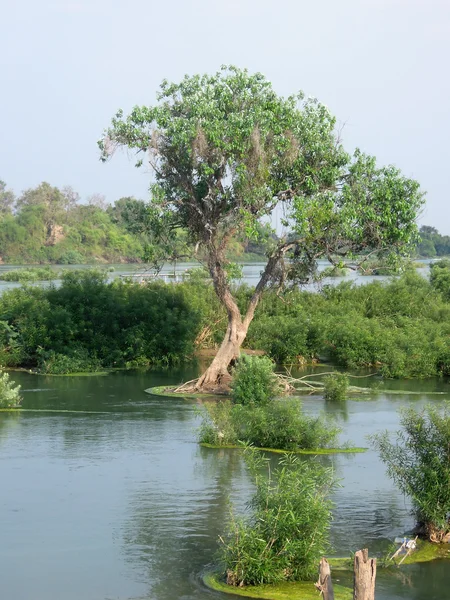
point(324, 585)
point(216, 377)
point(365, 571)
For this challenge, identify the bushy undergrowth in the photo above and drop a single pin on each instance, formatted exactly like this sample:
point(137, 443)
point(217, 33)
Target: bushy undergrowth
point(88, 323)
point(9, 392)
point(419, 462)
point(401, 327)
point(286, 533)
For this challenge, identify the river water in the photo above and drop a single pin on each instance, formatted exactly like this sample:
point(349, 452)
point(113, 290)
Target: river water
point(251, 273)
point(105, 494)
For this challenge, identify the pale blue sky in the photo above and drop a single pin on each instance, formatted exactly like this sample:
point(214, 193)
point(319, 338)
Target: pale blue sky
point(66, 66)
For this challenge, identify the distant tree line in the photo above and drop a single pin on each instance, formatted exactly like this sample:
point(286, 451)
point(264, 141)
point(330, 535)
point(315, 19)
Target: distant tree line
point(46, 224)
point(432, 243)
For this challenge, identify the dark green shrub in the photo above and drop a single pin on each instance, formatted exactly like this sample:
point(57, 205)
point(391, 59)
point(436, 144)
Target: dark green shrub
point(419, 463)
point(335, 387)
point(254, 381)
point(286, 533)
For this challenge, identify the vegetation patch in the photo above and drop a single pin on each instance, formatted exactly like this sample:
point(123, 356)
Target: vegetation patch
point(30, 275)
point(281, 424)
point(286, 531)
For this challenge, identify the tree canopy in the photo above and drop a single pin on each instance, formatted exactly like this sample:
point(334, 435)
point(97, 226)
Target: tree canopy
point(225, 150)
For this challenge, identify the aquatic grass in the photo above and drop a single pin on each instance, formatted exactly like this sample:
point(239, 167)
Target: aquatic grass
point(286, 532)
point(280, 424)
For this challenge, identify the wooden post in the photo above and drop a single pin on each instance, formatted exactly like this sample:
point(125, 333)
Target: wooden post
point(324, 584)
point(365, 571)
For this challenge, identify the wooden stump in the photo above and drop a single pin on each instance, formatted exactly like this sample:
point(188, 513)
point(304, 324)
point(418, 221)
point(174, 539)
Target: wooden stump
point(324, 584)
point(365, 571)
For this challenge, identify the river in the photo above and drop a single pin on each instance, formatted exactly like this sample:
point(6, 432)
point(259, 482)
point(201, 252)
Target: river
point(105, 494)
point(251, 272)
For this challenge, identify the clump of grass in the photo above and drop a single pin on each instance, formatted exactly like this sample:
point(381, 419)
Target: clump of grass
point(286, 533)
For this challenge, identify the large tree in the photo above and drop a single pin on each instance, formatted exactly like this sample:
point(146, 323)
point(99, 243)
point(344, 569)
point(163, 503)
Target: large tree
point(226, 150)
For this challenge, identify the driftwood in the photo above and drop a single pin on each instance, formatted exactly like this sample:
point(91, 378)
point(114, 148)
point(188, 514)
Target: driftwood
point(409, 546)
point(364, 573)
point(324, 585)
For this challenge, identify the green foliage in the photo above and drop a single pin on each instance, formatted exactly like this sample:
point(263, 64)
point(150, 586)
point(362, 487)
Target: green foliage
point(440, 277)
point(286, 533)
point(9, 392)
point(335, 387)
point(279, 425)
point(254, 381)
point(30, 275)
point(419, 463)
point(401, 326)
point(88, 323)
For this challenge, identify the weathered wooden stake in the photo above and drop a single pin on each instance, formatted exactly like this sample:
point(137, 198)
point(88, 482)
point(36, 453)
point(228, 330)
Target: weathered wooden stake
point(365, 571)
point(324, 584)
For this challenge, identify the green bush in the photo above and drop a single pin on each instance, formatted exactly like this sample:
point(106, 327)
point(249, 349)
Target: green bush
point(254, 381)
point(280, 425)
point(419, 463)
point(9, 392)
point(87, 323)
point(287, 531)
point(335, 387)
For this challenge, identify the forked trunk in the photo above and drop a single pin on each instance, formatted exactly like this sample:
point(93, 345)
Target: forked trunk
point(217, 376)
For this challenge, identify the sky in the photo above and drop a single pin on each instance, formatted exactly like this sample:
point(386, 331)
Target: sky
point(66, 66)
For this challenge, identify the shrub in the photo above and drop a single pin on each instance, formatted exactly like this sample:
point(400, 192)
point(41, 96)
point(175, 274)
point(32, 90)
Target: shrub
point(286, 533)
point(335, 387)
point(280, 425)
point(254, 381)
point(9, 392)
point(419, 463)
